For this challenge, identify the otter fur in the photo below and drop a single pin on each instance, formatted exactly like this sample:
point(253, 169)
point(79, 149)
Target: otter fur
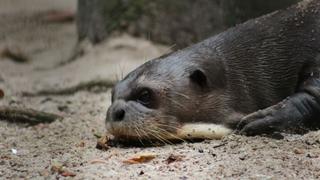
point(262, 76)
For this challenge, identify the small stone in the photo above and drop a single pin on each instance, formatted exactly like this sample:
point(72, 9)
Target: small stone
point(173, 158)
point(298, 151)
point(312, 155)
point(141, 173)
point(63, 108)
point(45, 173)
point(243, 157)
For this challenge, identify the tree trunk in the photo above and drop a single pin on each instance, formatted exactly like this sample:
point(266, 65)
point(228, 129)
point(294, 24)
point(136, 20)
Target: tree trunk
point(178, 22)
point(91, 22)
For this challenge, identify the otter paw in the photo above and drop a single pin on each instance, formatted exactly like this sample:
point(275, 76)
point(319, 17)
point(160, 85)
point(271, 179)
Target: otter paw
point(250, 118)
point(264, 125)
point(259, 115)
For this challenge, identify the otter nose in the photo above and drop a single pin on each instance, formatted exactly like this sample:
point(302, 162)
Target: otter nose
point(118, 115)
point(116, 111)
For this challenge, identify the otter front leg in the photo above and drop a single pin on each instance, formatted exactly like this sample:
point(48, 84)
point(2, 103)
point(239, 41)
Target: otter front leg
point(299, 109)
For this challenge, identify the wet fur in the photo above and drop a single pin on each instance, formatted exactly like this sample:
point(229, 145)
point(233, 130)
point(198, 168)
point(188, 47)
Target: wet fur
point(250, 67)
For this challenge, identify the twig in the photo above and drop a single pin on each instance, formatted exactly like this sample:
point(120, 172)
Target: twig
point(71, 90)
point(78, 51)
point(14, 54)
point(30, 116)
point(219, 145)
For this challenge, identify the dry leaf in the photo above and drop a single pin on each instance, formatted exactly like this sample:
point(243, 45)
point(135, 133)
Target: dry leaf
point(97, 135)
point(142, 158)
point(60, 169)
point(67, 174)
point(102, 143)
point(56, 167)
point(15, 54)
point(59, 16)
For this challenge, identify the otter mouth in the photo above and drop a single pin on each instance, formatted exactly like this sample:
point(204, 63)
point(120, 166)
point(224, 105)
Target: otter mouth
point(148, 129)
point(132, 122)
point(168, 134)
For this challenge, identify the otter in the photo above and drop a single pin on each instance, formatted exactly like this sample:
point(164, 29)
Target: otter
point(259, 77)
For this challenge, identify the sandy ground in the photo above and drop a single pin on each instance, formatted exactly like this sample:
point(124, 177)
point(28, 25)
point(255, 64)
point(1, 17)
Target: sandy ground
point(71, 141)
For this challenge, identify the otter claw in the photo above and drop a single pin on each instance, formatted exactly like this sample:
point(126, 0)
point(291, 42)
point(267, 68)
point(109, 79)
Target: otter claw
point(266, 125)
point(250, 118)
point(258, 122)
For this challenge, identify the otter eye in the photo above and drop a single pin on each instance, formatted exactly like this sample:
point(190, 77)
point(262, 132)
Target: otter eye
point(144, 97)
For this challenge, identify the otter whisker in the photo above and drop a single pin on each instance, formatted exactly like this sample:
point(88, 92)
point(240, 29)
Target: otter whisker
point(169, 49)
point(136, 129)
point(164, 133)
point(171, 134)
point(166, 125)
point(146, 135)
point(181, 94)
point(164, 136)
point(158, 135)
point(175, 102)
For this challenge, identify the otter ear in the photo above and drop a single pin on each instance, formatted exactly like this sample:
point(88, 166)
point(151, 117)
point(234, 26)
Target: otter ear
point(198, 77)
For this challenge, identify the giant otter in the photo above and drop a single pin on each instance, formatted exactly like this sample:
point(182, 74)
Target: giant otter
point(261, 76)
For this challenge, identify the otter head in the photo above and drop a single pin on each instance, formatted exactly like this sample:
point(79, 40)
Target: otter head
point(172, 97)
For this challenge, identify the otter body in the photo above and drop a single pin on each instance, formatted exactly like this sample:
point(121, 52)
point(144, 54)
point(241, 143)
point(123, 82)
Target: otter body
point(261, 76)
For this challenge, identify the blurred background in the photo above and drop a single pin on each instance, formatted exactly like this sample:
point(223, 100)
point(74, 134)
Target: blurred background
point(115, 36)
point(62, 25)
point(179, 22)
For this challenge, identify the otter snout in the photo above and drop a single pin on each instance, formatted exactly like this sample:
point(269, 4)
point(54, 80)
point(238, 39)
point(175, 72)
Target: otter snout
point(116, 111)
